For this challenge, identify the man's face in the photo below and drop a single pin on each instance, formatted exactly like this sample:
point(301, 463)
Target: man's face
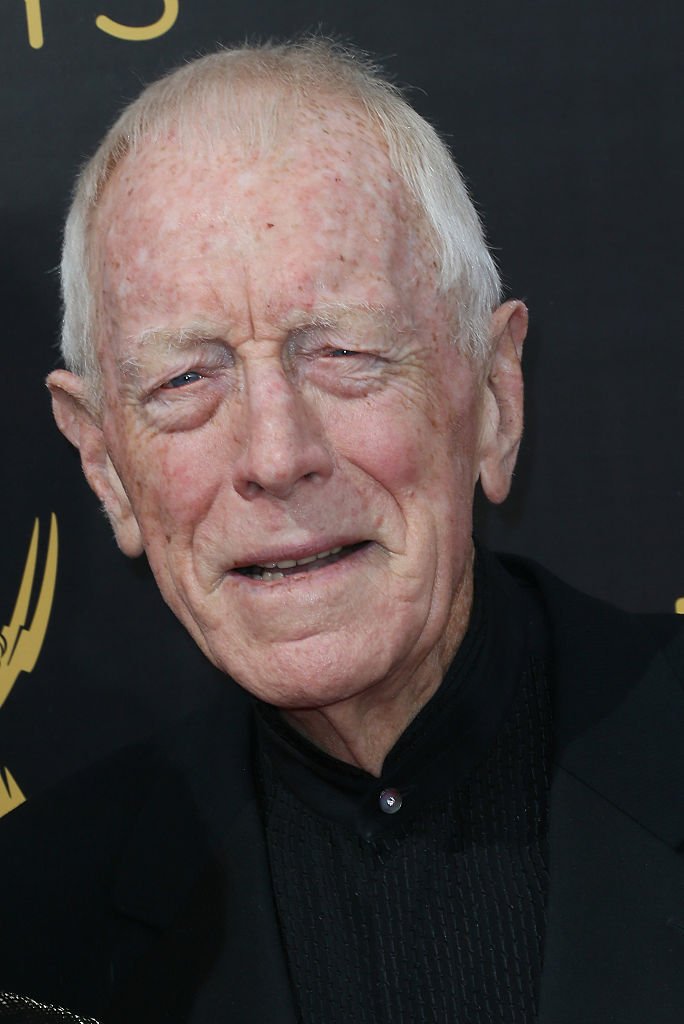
point(296, 434)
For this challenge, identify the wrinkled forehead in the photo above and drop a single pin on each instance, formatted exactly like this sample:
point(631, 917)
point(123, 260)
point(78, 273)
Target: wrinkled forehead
point(320, 180)
point(312, 151)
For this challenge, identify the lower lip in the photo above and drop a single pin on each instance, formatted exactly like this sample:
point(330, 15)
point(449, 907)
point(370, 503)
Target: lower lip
point(308, 574)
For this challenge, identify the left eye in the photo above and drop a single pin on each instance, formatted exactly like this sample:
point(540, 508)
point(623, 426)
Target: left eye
point(336, 353)
point(182, 379)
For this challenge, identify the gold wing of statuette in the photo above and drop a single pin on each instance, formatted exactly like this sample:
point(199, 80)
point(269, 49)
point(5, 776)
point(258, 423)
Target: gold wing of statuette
point(21, 642)
point(10, 794)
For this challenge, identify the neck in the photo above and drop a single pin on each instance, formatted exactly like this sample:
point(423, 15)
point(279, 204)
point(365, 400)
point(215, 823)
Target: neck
point(363, 729)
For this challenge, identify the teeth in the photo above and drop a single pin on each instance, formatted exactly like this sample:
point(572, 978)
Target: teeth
point(272, 575)
point(289, 563)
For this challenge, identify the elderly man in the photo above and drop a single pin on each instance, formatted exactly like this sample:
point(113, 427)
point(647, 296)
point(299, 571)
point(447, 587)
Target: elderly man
point(458, 793)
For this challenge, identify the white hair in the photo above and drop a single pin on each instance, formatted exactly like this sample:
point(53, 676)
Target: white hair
point(243, 90)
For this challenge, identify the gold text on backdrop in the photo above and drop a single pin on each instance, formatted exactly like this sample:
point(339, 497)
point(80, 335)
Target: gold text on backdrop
point(131, 33)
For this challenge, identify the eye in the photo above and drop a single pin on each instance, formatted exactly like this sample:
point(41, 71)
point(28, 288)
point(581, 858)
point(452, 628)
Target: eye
point(337, 353)
point(182, 379)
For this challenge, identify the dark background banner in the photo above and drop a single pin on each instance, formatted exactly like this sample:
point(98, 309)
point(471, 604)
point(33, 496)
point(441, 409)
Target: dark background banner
point(566, 119)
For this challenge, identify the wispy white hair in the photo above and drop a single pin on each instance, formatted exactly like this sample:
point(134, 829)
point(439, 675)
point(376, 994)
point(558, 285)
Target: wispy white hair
point(242, 91)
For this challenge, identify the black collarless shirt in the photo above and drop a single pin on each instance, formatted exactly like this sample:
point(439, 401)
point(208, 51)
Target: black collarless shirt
point(420, 896)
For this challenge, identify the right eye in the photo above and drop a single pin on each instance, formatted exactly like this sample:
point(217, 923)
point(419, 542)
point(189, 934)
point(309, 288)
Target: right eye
point(182, 380)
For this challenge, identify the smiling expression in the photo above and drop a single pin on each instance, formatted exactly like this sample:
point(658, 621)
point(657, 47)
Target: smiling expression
point(296, 433)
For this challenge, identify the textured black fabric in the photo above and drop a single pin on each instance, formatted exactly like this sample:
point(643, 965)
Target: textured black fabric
point(16, 1009)
point(440, 916)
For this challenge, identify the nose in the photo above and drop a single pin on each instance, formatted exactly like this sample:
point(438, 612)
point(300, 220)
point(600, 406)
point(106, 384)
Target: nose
point(283, 443)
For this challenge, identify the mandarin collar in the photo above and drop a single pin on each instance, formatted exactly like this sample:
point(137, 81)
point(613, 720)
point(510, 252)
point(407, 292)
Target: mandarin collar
point(447, 738)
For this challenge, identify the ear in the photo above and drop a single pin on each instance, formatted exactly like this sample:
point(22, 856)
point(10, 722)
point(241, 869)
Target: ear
point(80, 424)
point(502, 401)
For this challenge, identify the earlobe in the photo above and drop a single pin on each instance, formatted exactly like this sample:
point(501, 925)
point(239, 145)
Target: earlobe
point(502, 410)
point(79, 422)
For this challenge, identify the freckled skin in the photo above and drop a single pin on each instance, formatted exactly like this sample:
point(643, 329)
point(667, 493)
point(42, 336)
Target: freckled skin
point(269, 450)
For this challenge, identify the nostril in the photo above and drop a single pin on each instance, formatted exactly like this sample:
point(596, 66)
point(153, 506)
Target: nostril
point(249, 489)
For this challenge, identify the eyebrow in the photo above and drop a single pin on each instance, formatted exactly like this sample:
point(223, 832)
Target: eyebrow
point(335, 314)
point(176, 339)
point(208, 332)
point(193, 333)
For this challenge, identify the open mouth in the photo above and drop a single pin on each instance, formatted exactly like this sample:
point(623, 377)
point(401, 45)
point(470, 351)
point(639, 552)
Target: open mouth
point(290, 567)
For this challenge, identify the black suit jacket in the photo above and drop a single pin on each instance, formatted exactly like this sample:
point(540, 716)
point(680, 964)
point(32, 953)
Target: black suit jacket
point(141, 890)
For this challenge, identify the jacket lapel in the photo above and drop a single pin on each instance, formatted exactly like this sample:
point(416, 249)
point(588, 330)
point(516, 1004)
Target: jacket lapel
point(615, 937)
point(215, 951)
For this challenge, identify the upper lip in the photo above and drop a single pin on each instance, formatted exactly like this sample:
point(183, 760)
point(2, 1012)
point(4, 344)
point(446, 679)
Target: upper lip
point(291, 552)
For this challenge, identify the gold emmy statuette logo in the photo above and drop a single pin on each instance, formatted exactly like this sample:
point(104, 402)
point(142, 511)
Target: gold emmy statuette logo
point(21, 641)
point(679, 606)
point(134, 34)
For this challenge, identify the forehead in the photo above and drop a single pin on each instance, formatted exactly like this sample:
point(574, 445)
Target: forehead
point(317, 213)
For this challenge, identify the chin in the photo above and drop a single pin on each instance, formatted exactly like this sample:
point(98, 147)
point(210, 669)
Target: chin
point(306, 675)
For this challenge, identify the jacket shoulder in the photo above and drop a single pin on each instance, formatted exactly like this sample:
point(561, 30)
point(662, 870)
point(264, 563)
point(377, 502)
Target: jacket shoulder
point(600, 653)
point(74, 877)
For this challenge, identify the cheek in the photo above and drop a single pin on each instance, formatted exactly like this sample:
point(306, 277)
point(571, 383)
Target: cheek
point(172, 484)
point(412, 452)
point(397, 461)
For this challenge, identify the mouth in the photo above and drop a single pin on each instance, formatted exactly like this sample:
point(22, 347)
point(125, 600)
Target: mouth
point(269, 571)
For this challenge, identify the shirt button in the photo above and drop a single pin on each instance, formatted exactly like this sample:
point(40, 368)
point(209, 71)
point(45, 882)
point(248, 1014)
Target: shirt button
point(390, 801)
